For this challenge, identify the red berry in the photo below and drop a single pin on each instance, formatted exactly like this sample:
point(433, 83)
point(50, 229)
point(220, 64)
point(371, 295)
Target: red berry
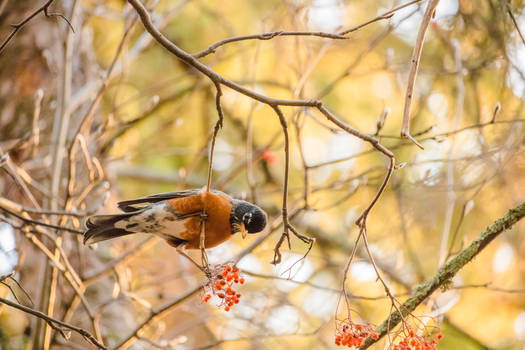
point(269, 156)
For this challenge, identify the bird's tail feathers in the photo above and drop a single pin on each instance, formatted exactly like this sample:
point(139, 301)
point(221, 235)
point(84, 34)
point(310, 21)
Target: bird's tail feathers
point(102, 227)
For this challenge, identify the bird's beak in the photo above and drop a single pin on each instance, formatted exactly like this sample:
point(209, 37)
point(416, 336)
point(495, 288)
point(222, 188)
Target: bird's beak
point(244, 231)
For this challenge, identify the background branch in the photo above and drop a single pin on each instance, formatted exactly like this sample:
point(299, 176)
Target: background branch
point(54, 322)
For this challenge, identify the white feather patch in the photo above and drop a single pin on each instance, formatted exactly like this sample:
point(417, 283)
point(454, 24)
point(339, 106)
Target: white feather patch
point(159, 219)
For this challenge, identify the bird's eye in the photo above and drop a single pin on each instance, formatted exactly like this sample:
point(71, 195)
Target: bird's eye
point(247, 218)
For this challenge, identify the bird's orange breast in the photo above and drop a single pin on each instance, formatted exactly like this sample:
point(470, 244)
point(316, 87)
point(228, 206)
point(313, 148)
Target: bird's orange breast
point(217, 208)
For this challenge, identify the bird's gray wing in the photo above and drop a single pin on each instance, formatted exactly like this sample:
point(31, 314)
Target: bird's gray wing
point(128, 205)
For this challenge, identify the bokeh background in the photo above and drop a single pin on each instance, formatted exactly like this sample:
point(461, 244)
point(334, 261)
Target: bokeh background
point(139, 122)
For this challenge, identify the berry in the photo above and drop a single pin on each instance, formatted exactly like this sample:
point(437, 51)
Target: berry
point(269, 156)
point(351, 334)
point(222, 279)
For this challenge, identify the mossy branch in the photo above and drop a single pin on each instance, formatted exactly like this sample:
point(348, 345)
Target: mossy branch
point(449, 270)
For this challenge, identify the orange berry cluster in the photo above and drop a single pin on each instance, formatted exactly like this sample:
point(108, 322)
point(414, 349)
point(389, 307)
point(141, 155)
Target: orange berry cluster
point(412, 341)
point(354, 334)
point(221, 285)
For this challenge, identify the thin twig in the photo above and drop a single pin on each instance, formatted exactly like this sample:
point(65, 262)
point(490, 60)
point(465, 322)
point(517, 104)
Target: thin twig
point(12, 168)
point(375, 143)
point(17, 26)
point(287, 227)
point(39, 223)
point(264, 36)
point(385, 15)
point(11, 278)
point(156, 313)
point(416, 56)
point(509, 10)
point(456, 131)
point(218, 126)
point(79, 214)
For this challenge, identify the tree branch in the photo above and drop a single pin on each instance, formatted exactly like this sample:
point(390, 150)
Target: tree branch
point(416, 55)
point(17, 26)
point(509, 10)
point(449, 270)
point(53, 322)
point(264, 36)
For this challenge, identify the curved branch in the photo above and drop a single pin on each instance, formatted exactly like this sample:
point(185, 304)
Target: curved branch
point(192, 61)
point(53, 322)
point(17, 26)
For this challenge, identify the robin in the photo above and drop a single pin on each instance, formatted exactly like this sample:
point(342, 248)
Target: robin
point(177, 217)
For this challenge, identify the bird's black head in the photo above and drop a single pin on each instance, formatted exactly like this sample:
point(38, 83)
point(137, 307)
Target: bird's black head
point(246, 218)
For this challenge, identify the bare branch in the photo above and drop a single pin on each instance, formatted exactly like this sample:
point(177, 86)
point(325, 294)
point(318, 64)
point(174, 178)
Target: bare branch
point(287, 227)
point(54, 323)
point(264, 36)
point(5, 204)
point(385, 15)
point(416, 55)
point(509, 10)
point(17, 26)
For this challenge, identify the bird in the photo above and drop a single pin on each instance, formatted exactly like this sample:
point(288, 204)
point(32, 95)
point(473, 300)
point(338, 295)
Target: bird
point(177, 218)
